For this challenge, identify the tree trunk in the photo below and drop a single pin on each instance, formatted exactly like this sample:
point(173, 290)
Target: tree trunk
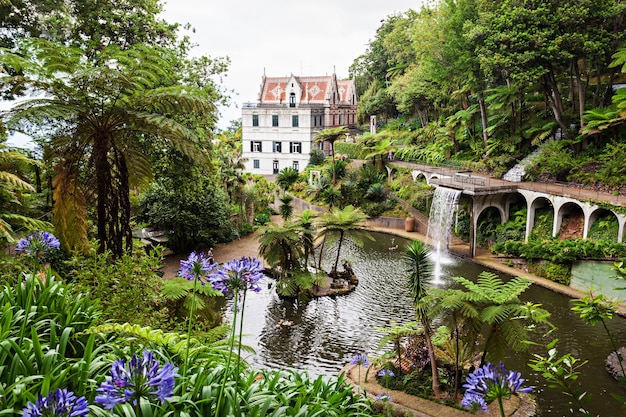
point(103, 188)
point(332, 154)
point(553, 96)
point(319, 263)
point(483, 118)
point(581, 100)
point(341, 233)
point(123, 192)
point(433, 363)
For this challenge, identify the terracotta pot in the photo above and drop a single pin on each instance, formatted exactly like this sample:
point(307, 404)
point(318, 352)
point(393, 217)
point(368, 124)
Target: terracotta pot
point(409, 224)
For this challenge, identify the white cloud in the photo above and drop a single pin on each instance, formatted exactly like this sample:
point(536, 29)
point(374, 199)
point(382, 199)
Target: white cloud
point(281, 37)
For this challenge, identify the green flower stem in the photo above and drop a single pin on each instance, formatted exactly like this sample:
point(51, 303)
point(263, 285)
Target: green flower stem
point(243, 305)
point(230, 351)
point(193, 303)
point(138, 412)
point(501, 406)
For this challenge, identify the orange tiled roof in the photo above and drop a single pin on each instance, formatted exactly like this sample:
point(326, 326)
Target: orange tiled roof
point(313, 89)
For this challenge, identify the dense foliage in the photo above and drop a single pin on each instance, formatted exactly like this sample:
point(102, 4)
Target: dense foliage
point(482, 83)
point(58, 346)
point(190, 216)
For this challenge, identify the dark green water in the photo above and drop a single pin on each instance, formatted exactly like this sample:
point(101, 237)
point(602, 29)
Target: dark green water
point(326, 332)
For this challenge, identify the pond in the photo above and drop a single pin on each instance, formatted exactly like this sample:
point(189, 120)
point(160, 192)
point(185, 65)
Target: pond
point(321, 335)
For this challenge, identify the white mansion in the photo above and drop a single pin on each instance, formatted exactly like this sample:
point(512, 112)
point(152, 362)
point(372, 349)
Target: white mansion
point(279, 131)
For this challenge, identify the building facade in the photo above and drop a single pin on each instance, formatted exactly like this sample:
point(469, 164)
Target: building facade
point(279, 130)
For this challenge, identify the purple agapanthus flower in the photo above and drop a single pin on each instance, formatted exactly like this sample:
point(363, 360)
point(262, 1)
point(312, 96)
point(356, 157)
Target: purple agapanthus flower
point(60, 403)
point(474, 401)
point(383, 397)
point(386, 373)
point(140, 378)
point(360, 359)
point(491, 382)
point(38, 243)
point(196, 266)
point(239, 274)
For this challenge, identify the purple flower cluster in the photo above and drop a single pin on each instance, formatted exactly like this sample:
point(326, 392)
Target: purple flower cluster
point(238, 274)
point(38, 243)
point(360, 359)
point(386, 373)
point(140, 378)
point(474, 401)
point(60, 403)
point(490, 382)
point(383, 397)
point(196, 266)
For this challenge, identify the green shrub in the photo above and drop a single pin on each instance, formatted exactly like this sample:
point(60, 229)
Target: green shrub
point(287, 177)
point(605, 228)
point(561, 251)
point(544, 219)
point(555, 160)
point(129, 288)
point(194, 216)
point(374, 209)
point(262, 218)
point(245, 229)
point(316, 157)
point(560, 273)
point(514, 229)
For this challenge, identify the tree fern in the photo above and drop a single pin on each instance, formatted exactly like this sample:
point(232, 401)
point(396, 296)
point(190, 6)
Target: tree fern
point(95, 113)
point(499, 308)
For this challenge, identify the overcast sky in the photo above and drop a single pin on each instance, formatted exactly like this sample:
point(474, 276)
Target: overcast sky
point(281, 37)
point(278, 37)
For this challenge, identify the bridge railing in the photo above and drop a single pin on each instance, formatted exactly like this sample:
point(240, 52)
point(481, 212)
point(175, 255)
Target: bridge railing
point(567, 190)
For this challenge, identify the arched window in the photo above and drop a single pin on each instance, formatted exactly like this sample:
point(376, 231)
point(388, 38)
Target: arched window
point(292, 100)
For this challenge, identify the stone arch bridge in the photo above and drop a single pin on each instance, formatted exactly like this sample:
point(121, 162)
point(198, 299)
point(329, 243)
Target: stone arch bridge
point(500, 197)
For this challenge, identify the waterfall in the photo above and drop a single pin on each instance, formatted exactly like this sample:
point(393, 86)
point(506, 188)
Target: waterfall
point(440, 221)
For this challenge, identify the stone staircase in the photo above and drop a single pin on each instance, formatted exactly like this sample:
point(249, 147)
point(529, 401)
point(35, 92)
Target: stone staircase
point(516, 174)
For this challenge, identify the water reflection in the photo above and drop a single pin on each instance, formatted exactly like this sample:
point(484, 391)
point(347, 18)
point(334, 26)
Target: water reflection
point(321, 335)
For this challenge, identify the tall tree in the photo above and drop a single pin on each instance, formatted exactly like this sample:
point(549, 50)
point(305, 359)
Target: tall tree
point(100, 119)
point(420, 274)
point(88, 24)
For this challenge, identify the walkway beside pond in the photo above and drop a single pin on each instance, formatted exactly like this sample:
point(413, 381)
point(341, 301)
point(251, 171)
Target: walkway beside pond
point(408, 405)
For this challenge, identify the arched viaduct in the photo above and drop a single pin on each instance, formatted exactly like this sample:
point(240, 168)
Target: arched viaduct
point(489, 193)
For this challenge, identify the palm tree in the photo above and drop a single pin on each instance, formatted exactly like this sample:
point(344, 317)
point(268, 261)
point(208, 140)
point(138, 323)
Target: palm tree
point(286, 209)
point(101, 116)
point(331, 135)
point(285, 248)
point(350, 220)
point(420, 272)
point(305, 221)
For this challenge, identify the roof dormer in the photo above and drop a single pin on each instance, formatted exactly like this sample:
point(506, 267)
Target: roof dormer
point(293, 91)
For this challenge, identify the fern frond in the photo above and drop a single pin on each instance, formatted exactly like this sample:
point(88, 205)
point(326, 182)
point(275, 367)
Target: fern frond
point(175, 289)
